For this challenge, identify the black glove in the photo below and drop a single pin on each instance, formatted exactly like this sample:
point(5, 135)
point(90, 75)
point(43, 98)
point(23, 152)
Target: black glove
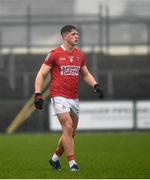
point(97, 90)
point(38, 101)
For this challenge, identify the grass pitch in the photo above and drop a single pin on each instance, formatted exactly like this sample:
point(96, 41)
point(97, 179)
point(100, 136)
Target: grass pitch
point(99, 155)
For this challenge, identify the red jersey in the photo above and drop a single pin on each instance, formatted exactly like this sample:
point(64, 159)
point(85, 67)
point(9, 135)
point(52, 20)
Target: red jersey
point(65, 71)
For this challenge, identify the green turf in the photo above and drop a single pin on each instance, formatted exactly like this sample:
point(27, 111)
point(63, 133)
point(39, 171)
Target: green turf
point(99, 155)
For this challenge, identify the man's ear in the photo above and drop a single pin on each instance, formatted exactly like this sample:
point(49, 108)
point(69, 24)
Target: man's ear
point(64, 36)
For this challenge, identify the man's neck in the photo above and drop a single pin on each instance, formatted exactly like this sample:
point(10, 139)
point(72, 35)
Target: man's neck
point(68, 47)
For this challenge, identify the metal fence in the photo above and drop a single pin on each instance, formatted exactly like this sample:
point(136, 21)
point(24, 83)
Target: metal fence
point(99, 34)
point(28, 33)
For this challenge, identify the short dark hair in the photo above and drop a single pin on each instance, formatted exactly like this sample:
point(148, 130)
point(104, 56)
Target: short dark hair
point(67, 28)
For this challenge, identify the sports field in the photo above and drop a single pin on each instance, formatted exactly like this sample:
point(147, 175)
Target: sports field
point(99, 155)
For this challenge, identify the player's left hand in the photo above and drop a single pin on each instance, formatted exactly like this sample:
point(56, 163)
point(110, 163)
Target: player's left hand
point(98, 90)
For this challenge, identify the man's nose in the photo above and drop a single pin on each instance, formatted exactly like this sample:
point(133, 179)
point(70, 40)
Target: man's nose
point(76, 36)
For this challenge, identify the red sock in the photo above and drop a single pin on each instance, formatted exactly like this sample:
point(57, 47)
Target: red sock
point(70, 157)
point(58, 152)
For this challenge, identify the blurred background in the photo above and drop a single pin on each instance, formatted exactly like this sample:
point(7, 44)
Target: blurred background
point(115, 37)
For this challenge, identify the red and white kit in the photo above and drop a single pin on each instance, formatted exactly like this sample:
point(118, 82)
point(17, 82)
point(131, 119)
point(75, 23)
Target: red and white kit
point(65, 72)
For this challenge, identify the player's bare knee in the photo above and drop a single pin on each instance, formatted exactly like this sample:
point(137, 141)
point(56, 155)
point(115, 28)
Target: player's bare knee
point(69, 127)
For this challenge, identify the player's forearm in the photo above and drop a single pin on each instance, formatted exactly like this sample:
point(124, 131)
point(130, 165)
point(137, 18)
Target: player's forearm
point(90, 80)
point(39, 80)
point(39, 83)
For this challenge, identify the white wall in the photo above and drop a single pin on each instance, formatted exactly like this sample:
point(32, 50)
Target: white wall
point(109, 115)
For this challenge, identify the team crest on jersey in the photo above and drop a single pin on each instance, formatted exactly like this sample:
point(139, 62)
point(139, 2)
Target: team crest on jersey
point(71, 58)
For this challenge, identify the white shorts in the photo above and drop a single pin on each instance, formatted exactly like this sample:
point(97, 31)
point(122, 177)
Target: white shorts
point(61, 105)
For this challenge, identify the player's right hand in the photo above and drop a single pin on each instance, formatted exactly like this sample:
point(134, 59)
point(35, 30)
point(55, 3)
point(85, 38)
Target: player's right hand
point(38, 101)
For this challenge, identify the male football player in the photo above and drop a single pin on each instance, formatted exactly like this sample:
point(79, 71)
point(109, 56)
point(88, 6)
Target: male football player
point(64, 64)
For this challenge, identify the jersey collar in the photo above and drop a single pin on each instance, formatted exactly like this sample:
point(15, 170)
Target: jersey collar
point(66, 49)
point(63, 48)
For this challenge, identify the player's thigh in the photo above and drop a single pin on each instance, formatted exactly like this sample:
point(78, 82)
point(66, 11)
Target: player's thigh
point(74, 112)
point(65, 120)
point(75, 121)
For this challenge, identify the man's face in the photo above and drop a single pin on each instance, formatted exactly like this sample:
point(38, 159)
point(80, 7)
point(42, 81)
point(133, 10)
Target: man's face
point(72, 37)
